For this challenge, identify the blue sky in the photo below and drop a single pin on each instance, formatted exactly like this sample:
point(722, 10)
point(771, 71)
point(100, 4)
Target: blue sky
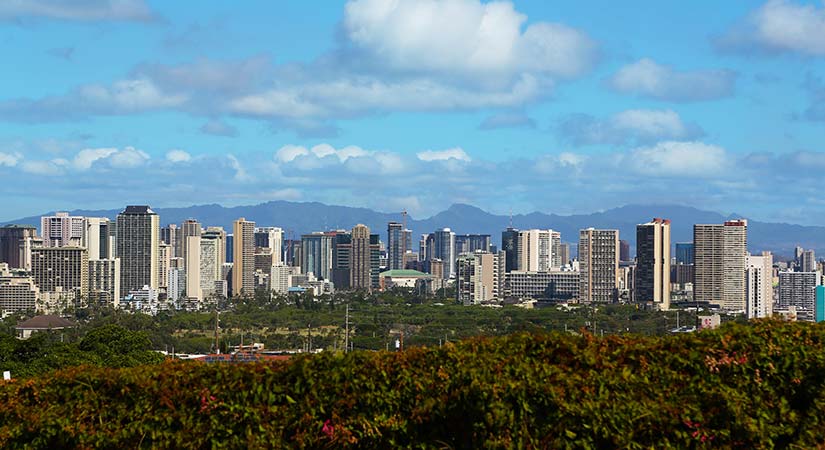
point(564, 107)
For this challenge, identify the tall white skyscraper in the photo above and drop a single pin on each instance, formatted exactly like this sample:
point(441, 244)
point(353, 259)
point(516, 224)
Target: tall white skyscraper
point(598, 265)
point(444, 249)
point(720, 257)
point(210, 266)
point(759, 282)
point(138, 240)
point(97, 238)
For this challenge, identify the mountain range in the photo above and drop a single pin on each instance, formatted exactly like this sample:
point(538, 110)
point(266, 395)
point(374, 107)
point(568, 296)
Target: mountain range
point(297, 218)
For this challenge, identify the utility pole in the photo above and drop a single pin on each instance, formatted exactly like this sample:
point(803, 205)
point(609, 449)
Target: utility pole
point(346, 332)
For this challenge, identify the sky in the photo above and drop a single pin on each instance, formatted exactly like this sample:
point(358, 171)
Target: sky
point(559, 107)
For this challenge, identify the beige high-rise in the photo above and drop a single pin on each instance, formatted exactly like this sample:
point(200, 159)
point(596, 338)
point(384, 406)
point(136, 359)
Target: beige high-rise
point(652, 284)
point(599, 265)
point(243, 255)
point(192, 262)
point(720, 257)
point(536, 250)
point(359, 270)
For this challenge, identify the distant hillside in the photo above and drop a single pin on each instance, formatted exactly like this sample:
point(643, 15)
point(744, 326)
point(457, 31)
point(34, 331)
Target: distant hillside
point(305, 217)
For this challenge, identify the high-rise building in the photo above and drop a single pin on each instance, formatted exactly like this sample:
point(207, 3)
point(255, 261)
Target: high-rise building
point(819, 306)
point(18, 291)
point(65, 269)
point(137, 244)
point(316, 254)
point(509, 243)
point(164, 264)
point(684, 253)
point(192, 263)
point(62, 230)
point(243, 269)
point(535, 250)
point(104, 282)
point(97, 237)
point(189, 227)
point(599, 265)
point(219, 234)
point(173, 235)
point(797, 289)
point(271, 238)
point(210, 265)
point(808, 261)
point(720, 255)
point(476, 277)
point(759, 286)
point(470, 243)
point(16, 242)
point(624, 250)
point(564, 253)
point(652, 283)
point(444, 249)
point(359, 260)
point(395, 245)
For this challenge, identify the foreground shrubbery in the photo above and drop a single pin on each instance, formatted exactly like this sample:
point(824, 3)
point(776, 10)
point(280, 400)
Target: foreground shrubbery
point(753, 386)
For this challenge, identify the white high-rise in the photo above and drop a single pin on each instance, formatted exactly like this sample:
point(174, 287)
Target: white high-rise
point(192, 262)
point(210, 266)
point(538, 250)
point(759, 282)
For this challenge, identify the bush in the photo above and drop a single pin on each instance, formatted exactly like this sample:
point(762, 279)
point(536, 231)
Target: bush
point(757, 385)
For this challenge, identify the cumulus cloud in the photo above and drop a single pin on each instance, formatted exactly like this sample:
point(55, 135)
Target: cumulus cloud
point(122, 97)
point(456, 153)
point(679, 158)
point(633, 125)
point(86, 10)
point(647, 78)
point(10, 159)
point(779, 26)
point(178, 156)
point(695, 172)
point(466, 38)
point(430, 55)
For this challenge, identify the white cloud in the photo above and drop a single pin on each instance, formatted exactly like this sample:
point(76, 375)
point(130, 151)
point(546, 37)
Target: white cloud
point(672, 158)
point(647, 78)
point(456, 153)
point(86, 10)
point(41, 168)
point(86, 157)
point(129, 157)
point(10, 159)
point(240, 172)
point(651, 123)
point(178, 156)
point(633, 125)
point(464, 37)
point(780, 26)
point(132, 95)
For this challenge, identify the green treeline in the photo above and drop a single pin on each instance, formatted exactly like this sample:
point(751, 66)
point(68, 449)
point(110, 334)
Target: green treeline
point(756, 385)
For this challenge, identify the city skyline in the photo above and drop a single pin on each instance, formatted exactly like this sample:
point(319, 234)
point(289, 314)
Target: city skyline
point(479, 103)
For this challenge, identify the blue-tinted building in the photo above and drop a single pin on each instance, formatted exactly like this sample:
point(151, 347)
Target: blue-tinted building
point(684, 253)
point(819, 304)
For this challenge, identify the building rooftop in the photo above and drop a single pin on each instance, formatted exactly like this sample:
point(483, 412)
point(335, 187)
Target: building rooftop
point(405, 273)
point(16, 225)
point(47, 322)
point(138, 209)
